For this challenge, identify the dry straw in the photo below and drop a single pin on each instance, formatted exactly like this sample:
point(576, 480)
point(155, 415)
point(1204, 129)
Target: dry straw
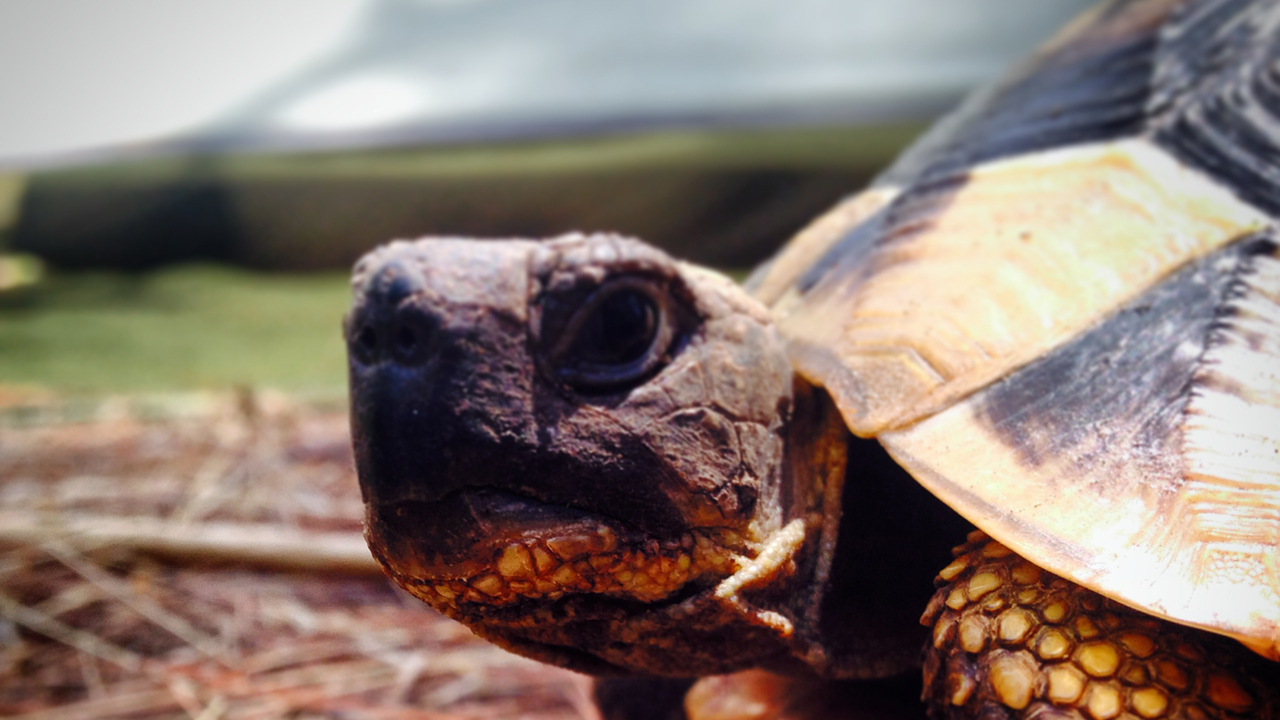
point(200, 557)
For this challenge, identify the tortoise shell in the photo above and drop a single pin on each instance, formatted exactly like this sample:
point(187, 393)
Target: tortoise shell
point(1060, 311)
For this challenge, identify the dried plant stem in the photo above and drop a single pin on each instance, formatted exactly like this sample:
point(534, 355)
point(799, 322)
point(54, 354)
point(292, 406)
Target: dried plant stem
point(117, 705)
point(210, 566)
point(257, 545)
point(79, 639)
point(140, 604)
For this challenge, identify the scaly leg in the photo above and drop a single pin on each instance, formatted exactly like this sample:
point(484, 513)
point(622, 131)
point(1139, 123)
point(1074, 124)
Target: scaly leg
point(1013, 642)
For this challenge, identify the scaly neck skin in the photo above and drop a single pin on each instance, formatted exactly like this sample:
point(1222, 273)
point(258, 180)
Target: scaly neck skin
point(816, 464)
point(852, 585)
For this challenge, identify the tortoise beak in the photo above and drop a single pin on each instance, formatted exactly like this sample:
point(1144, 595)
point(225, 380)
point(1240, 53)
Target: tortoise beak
point(428, 330)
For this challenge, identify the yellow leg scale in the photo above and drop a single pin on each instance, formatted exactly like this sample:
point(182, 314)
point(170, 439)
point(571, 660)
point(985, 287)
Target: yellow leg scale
point(1014, 642)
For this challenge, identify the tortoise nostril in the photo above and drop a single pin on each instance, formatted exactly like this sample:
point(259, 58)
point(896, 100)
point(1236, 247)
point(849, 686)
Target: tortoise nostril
point(367, 339)
point(364, 346)
point(410, 337)
point(406, 340)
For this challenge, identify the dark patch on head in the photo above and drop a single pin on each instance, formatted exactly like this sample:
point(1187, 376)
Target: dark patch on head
point(1121, 387)
point(629, 480)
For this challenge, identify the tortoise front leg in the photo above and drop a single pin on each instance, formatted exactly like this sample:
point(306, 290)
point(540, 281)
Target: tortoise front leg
point(1013, 642)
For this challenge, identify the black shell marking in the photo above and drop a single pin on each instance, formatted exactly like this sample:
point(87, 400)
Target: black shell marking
point(1121, 388)
point(1216, 98)
point(1204, 84)
point(1090, 86)
point(1200, 79)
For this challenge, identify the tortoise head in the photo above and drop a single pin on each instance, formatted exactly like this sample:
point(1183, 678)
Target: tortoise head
point(581, 449)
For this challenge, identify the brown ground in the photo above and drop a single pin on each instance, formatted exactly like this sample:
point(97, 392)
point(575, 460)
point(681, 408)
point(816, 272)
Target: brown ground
point(199, 556)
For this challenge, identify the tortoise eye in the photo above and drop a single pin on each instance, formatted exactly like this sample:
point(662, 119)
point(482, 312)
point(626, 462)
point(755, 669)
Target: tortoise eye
point(617, 337)
point(618, 331)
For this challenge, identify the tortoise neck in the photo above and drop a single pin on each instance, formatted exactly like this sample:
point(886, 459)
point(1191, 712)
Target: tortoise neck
point(815, 472)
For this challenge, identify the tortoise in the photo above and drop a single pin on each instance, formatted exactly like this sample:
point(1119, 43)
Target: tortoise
point(1056, 317)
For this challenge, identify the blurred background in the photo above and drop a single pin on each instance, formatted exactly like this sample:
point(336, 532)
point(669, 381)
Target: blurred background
point(183, 187)
point(182, 184)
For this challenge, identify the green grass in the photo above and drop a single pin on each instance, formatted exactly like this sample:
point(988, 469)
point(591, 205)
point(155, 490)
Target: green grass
point(193, 327)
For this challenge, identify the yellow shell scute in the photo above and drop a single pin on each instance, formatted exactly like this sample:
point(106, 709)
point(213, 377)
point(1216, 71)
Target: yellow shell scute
point(990, 272)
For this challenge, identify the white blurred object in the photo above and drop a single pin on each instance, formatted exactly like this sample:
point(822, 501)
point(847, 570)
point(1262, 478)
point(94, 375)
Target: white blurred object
point(357, 103)
point(76, 75)
point(308, 74)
